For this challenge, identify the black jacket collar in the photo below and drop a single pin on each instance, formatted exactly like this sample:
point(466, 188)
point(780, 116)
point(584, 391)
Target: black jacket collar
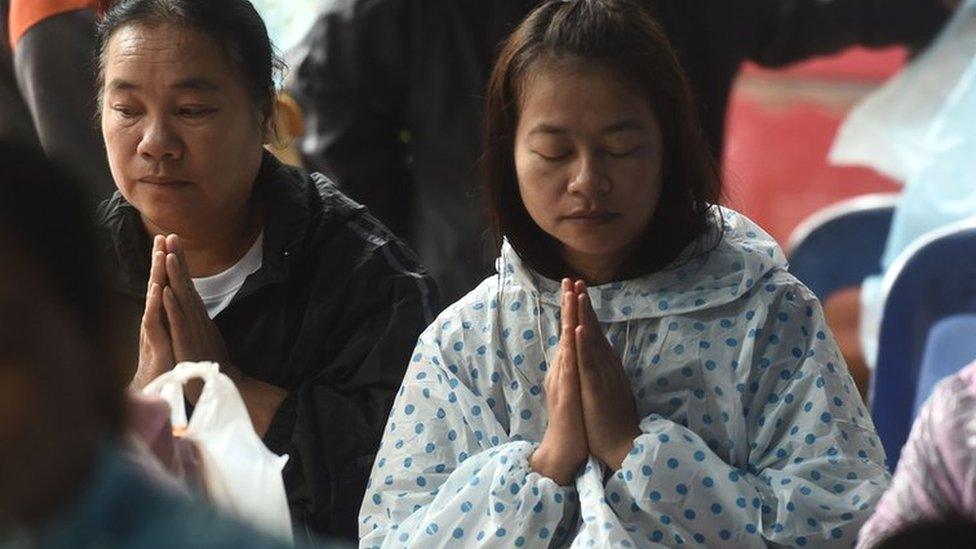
point(296, 204)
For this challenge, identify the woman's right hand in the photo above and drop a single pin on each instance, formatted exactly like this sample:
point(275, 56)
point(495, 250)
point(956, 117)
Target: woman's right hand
point(563, 449)
point(155, 344)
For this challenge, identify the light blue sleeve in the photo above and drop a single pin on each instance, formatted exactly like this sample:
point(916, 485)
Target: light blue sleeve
point(448, 474)
point(814, 465)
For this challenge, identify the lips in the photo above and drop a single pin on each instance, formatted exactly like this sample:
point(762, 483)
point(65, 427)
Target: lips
point(163, 181)
point(592, 216)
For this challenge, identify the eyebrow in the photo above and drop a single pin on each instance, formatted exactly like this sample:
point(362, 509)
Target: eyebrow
point(192, 83)
point(628, 125)
point(548, 129)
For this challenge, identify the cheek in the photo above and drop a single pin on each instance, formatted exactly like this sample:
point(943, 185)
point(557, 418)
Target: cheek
point(118, 139)
point(121, 144)
point(229, 143)
point(640, 190)
point(540, 191)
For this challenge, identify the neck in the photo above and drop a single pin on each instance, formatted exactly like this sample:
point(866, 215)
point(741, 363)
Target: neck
point(214, 245)
point(594, 269)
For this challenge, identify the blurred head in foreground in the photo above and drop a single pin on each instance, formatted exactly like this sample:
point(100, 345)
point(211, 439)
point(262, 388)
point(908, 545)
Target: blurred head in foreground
point(60, 389)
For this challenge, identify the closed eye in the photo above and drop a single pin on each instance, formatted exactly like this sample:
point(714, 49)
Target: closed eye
point(125, 111)
point(196, 112)
point(553, 157)
point(624, 153)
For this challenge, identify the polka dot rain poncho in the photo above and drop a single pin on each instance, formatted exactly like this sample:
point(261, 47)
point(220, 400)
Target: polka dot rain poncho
point(752, 433)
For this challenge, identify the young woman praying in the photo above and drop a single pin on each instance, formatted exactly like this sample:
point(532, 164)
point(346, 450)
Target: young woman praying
point(643, 370)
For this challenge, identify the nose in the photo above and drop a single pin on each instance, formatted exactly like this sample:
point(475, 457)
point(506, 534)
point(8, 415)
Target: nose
point(160, 142)
point(591, 178)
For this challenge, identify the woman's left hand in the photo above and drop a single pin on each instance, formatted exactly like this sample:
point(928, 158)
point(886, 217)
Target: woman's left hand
point(609, 411)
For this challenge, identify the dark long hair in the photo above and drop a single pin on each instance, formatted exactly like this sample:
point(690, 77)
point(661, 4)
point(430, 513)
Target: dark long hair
point(620, 35)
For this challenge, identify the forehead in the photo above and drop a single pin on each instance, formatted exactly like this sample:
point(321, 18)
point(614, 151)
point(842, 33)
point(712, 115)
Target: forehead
point(164, 53)
point(576, 94)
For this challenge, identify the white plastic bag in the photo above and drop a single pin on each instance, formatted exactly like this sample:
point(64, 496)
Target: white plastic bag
point(241, 475)
point(896, 130)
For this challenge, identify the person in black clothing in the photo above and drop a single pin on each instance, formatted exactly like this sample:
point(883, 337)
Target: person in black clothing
point(307, 302)
point(392, 91)
point(15, 121)
point(52, 45)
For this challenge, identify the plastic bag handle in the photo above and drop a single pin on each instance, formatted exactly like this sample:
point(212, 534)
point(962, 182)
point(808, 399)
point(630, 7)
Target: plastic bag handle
point(169, 387)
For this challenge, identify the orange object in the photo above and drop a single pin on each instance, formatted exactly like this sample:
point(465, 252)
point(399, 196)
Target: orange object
point(24, 14)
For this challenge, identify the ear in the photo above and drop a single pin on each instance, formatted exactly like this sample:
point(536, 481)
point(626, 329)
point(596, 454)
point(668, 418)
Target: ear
point(267, 121)
point(285, 123)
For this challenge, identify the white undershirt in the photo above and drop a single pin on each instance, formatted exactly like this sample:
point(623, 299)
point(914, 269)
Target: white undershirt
point(218, 290)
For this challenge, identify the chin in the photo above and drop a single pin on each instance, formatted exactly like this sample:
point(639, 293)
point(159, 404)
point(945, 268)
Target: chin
point(594, 247)
point(164, 214)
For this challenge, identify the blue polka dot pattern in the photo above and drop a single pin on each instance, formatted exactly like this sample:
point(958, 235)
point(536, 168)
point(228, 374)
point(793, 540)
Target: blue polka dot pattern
point(750, 423)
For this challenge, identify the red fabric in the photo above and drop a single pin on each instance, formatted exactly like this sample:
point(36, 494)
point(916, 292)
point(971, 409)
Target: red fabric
point(777, 142)
point(24, 14)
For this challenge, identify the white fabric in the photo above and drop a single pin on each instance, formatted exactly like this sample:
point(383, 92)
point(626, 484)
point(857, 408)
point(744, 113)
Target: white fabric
point(753, 431)
point(218, 291)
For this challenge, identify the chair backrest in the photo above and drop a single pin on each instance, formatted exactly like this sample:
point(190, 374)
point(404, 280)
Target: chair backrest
point(932, 279)
point(839, 246)
point(950, 347)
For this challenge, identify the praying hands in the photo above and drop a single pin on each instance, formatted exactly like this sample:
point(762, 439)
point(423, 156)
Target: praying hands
point(176, 328)
point(588, 397)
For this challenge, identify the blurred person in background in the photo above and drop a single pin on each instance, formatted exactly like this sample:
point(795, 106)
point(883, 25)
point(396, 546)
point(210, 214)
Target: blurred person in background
point(307, 302)
point(53, 44)
point(392, 91)
point(66, 480)
point(15, 122)
point(949, 532)
point(936, 476)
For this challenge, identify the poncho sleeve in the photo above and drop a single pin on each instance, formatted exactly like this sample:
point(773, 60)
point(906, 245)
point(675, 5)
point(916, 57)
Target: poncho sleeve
point(934, 479)
point(811, 473)
point(448, 474)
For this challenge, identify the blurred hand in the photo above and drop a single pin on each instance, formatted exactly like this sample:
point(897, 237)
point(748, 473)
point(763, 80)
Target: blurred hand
point(609, 411)
point(563, 449)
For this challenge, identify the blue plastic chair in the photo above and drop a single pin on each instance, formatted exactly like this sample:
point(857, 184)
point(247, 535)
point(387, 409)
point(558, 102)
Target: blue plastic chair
point(839, 246)
point(933, 279)
point(950, 347)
